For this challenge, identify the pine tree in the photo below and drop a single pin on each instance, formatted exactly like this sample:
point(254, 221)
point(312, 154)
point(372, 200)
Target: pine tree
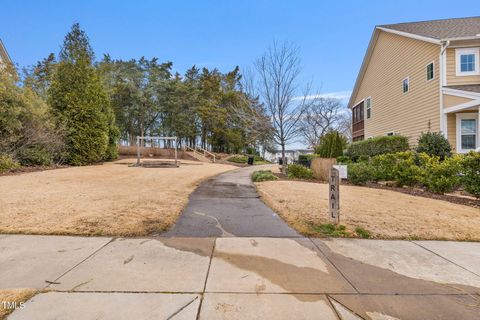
point(80, 104)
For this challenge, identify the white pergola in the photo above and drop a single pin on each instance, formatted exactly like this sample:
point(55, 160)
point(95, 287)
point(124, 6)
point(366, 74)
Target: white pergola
point(155, 138)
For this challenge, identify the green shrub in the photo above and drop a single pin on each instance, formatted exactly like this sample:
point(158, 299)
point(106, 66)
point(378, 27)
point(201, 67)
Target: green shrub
point(296, 171)
point(363, 159)
point(344, 160)
point(471, 173)
point(440, 176)
point(306, 159)
point(263, 175)
point(360, 173)
point(36, 155)
point(434, 144)
point(400, 167)
point(7, 163)
point(331, 230)
point(238, 159)
point(384, 166)
point(378, 145)
point(331, 145)
point(362, 233)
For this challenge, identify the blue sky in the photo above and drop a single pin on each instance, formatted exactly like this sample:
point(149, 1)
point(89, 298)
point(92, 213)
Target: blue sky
point(332, 35)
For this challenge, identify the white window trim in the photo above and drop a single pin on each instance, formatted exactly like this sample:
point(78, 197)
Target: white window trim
point(390, 133)
point(408, 81)
point(460, 117)
point(458, 53)
point(367, 108)
point(426, 67)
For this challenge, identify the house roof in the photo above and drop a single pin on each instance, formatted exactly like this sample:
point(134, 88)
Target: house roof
point(445, 29)
point(4, 54)
point(470, 88)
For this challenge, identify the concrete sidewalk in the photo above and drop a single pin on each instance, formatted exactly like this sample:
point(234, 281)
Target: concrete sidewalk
point(241, 278)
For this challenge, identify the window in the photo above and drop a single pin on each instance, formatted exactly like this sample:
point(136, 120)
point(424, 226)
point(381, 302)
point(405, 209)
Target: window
point(467, 61)
point(467, 132)
point(358, 113)
point(406, 85)
point(391, 133)
point(368, 106)
point(430, 71)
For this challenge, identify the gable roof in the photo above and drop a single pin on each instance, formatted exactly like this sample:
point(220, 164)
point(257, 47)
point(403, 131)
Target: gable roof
point(4, 54)
point(445, 29)
point(433, 31)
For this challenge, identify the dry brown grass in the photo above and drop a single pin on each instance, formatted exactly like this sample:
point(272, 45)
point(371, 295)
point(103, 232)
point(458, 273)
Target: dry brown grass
point(108, 199)
point(13, 295)
point(384, 213)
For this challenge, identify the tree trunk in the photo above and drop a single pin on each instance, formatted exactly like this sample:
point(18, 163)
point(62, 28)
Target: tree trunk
point(284, 159)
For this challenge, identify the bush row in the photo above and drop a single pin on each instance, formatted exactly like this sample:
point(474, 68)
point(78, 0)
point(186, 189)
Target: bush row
point(411, 169)
point(375, 146)
point(240, 158)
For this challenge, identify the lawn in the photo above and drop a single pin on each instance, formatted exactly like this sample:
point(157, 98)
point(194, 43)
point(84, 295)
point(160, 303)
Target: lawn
point(109, 199)
point(383, 213)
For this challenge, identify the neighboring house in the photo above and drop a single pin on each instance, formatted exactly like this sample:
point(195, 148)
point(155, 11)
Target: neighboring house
point(421, 76)
point(290, 155)
point(4, 57)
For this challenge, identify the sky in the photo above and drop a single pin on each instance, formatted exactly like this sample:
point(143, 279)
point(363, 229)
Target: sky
point(332, 35)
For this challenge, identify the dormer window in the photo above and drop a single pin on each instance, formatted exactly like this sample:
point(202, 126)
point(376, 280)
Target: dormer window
point(467, 61)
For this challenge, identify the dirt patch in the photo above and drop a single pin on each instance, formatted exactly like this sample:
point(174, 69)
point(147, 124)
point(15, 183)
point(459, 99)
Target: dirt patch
point(384, 213)
point(13, 298)
point(107, 199)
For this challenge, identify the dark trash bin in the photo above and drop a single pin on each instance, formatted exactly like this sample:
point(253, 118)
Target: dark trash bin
point(250, 160)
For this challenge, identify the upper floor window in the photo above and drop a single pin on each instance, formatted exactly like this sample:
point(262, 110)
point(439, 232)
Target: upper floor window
point(357, 113)
point(467, 61)
point(368, 107)
point(430, 71)
point(406, 85)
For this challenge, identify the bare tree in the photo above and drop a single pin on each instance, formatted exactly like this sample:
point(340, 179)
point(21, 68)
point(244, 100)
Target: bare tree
point(323, 114)
point(278, 85)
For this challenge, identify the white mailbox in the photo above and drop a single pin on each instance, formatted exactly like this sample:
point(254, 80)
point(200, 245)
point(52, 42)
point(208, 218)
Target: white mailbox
point(342, 170)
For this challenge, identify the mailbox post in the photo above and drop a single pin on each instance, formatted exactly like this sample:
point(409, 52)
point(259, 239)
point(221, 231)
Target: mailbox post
point(334, 195)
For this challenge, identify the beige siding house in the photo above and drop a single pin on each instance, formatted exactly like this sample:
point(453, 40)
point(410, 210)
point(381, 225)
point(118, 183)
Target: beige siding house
point(418, 77)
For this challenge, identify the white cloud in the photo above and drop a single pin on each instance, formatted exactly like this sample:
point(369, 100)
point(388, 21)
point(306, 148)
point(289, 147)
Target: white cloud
point(342, 95)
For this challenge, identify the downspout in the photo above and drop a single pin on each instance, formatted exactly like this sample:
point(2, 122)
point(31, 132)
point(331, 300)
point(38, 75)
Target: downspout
point(443, 82)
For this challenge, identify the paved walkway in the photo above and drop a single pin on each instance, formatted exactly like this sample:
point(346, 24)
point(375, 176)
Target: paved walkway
point(228, 206)
point(241, 278)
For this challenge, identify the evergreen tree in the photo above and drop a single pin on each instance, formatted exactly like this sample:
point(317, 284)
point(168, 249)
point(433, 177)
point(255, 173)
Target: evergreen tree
point(80, 104)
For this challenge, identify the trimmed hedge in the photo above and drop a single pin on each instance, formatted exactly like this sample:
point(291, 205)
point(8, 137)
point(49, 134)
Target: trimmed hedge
point(306, 159)
point(429, 172)
point(471, 173)
point(296, 171)
point(378, 145)
point(440, 176)
point(263, 175)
